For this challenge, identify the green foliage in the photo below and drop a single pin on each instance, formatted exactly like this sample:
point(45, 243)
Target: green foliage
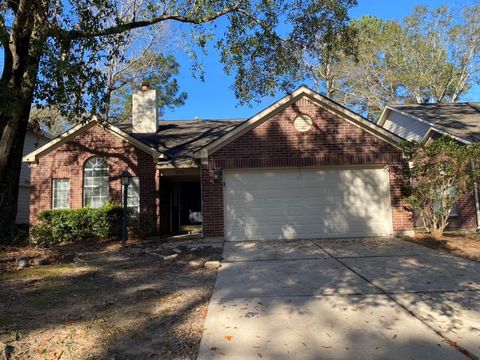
point(158, 71)
point(49, 120)
point(262, 43)
point(433, 55)
point(71, 225)
point(442, 174)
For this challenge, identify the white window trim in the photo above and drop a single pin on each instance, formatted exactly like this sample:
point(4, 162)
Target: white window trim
point(54, 182)
point(94, 186)
point(129, 187)
point(303, 123)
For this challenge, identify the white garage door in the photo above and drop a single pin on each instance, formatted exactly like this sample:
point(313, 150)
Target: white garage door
point(306, 203)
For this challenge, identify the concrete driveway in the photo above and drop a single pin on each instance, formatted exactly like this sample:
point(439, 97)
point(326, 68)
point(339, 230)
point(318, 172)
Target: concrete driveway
point(342, 299)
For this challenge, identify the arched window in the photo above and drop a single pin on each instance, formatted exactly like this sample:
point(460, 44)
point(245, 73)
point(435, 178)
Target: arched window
point(95, 182)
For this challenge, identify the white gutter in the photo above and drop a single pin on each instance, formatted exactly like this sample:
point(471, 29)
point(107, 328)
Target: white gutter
point(383, 116)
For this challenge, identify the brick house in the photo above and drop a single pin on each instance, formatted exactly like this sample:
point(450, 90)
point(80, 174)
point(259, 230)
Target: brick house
point(305, 167)
point(33, 140)
point(424, 122)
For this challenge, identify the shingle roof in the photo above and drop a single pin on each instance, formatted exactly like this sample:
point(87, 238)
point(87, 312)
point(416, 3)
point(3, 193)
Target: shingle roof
point(179, 139)
point(458, 119)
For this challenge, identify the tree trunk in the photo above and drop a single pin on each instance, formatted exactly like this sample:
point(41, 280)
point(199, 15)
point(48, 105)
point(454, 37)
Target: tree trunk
point(437, 233)
point(17, 84)
point(11, 149)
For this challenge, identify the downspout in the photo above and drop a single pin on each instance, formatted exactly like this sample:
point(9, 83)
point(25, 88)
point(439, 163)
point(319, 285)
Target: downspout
point(200, 163)
point(477, 204)
point(477, 200)
point(201, 200)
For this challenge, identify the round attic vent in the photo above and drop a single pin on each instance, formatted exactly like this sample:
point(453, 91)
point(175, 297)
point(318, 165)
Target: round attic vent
point(303, 123)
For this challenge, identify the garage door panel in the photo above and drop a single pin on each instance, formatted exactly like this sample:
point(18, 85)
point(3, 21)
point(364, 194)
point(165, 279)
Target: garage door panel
point(306, 203)
point(281, 231)
point(333, 210)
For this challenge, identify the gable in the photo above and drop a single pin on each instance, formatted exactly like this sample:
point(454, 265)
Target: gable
point(330, 138)
point(69, 158)
point(67, 161)
point(403, 125)
point(286, 102)
point(79, 130)
point(460, 121)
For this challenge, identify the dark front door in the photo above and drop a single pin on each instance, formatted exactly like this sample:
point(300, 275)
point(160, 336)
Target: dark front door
point(190, 203)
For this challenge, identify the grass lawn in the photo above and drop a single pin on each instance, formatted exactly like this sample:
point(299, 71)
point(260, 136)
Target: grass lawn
point(464, 244)
point(111, 303)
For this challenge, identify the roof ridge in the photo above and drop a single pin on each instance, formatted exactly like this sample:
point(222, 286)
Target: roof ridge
point(127, 123)
point(437, 103)
point(201, 119)
point(474, 107)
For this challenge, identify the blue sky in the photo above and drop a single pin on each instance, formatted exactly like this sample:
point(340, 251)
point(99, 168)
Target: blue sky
point(214, 98)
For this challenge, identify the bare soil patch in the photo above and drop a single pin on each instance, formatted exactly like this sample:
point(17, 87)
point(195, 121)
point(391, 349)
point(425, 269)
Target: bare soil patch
point(110, 303)
point(463, 244)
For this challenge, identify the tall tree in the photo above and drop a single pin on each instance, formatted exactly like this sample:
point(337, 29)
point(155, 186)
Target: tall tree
point(433, 55)
point(141, 57)
point(53, 51)
point(158, 71)
point(441, 53)
point(327, 74)
point(49, 120)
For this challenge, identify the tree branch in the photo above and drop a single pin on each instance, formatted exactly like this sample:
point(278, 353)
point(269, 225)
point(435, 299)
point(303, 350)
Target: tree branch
point(259, 23)
point(7, 54)
point(117, 29)
point(4, 35)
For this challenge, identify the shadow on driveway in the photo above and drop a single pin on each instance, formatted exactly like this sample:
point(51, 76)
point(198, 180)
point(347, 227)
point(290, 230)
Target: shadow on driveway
point(342, 299)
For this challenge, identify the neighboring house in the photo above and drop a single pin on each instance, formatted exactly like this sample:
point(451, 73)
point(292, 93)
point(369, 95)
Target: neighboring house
point(33, 140)
point(305, 167)
point(422, 122)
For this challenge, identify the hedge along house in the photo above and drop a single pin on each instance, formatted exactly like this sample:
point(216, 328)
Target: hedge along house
point(305, 167)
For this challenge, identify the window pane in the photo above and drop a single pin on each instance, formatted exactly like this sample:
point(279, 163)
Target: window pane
point(133, 201)
point(61, 194)
point(95, 182)
point(454, 211)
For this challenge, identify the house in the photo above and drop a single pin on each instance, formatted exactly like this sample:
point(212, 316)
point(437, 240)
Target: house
point(422, 122)
point(33, 140)
point(304, 167)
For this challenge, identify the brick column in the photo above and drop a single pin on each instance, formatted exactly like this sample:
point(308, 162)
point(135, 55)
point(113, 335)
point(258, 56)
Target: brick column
point(212, 203)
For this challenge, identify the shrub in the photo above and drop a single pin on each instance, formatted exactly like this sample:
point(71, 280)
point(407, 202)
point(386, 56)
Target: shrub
point(69, 225)
point(443, 171)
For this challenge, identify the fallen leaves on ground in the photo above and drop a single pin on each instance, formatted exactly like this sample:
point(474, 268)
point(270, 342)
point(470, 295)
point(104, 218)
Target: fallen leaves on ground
point(464, 244)
point(113, 303)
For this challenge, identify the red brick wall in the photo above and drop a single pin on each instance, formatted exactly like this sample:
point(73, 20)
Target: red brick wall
point(68, 160)
point(212, 203)
point(399, 180)
point(467, 214)
point(276, 142)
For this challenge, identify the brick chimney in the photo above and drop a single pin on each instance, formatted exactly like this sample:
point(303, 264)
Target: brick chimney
point(144, 110)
